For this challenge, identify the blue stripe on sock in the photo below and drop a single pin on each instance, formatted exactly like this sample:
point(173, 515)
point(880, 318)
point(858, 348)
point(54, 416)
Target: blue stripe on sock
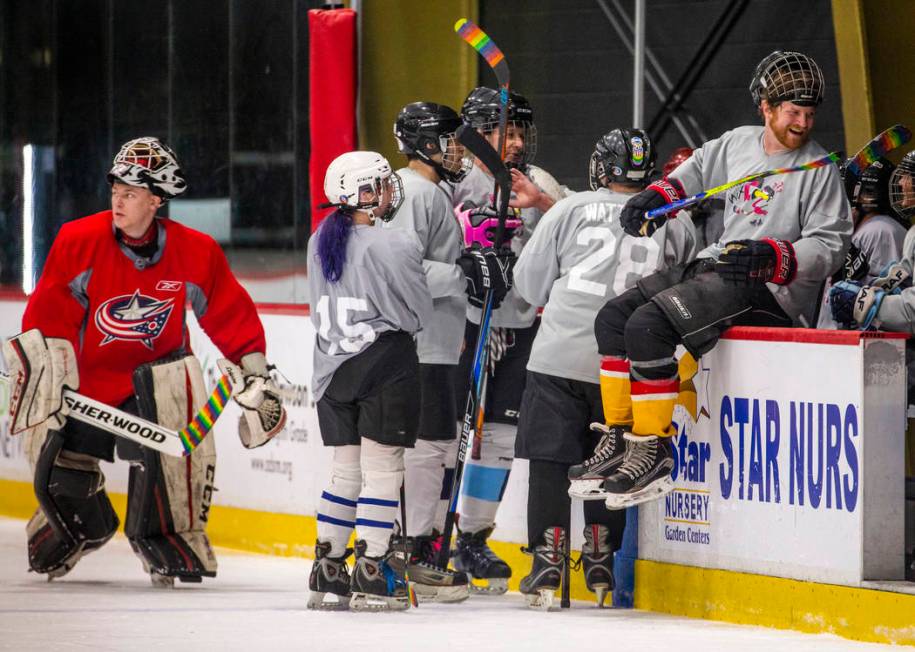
point(346, 502)
point(370, 523)
point(380, 502)
point(324, 518)
point(484, 482)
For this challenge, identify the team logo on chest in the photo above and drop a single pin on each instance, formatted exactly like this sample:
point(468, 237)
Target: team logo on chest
point(133, 317)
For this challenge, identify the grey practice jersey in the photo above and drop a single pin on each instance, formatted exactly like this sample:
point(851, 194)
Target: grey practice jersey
point(426, 211)
point(577, 260)
point(807, 208)
point(477, 188)
point(382, 288)
point(897, 312)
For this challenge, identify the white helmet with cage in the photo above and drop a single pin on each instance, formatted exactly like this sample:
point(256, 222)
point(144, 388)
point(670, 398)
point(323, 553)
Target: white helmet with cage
point(353, 173)
point(149, 163)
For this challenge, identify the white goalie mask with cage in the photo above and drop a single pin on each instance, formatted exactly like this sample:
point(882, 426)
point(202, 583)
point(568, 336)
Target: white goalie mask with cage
point(149, 163)
point(354, 173)
point(902, 187)
point(786, 76)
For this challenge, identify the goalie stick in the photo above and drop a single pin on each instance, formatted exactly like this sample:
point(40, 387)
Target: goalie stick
point(177, 443)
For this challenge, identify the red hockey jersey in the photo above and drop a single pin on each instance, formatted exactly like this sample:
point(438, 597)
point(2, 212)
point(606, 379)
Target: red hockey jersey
point(119, 311)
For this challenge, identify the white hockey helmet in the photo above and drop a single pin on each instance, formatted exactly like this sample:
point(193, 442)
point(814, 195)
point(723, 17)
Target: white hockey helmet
point(353, 173)
point(149, 163)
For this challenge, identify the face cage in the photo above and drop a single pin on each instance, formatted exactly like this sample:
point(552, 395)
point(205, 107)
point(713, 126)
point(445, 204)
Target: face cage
point(595, 171)
point(793, 78)
point(378, 189)
point(530, 138)
point(454, 167)
point(902, 192)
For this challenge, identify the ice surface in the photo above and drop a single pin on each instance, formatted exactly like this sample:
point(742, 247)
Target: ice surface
point(258, 603)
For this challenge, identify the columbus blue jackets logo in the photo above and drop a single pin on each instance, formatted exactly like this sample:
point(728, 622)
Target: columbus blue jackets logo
point(133, 318)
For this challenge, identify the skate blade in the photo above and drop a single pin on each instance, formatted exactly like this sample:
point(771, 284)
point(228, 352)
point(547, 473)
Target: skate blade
point(655, 490)
point(491, 586)
point(321, 601)
point(588, 489)
point(369, 602)
point(162, 581)
point(542, 600)
point(443, 594)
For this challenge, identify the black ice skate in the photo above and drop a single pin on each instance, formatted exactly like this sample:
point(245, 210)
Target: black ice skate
point(587, 479)
point(597, 562)
point(377, 583)
point(329, 581)
point(644, 474)
point(545, 577)
point(429, 581)
point(474, 557)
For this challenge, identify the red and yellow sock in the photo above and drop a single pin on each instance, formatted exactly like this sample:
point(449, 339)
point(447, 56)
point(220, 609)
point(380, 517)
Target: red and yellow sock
point(615, 391)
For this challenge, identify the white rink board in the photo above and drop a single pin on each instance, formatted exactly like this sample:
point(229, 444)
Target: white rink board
point(288, 474)
point(773, 479)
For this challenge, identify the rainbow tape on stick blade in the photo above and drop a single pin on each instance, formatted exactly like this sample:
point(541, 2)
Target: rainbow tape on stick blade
point(896, 136)
point(194, 432)
point(485, 46)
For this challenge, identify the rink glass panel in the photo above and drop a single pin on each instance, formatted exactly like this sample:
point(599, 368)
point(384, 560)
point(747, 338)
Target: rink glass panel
point(224, 82)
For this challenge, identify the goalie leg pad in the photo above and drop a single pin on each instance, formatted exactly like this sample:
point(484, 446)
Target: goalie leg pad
point(39, 370)
point(74, 515)
point(168, 498)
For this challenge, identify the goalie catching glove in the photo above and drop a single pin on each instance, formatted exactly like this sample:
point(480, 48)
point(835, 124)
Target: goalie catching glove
point(263, 415)
point(484, 269)
point(40, 369)
point(756, 262)
point(857, 306)
point(658, 194)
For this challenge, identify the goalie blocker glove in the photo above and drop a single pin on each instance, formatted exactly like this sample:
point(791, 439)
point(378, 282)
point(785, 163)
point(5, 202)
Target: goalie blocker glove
point(748, 263)
point(659, 193)
point(484, 269)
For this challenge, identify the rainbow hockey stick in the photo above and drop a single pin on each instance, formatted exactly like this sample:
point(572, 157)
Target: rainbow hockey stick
point(833, 157)
point(882, 144)
point(178, 443)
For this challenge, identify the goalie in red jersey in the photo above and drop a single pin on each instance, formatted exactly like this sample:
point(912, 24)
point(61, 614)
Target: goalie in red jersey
point(108, 318)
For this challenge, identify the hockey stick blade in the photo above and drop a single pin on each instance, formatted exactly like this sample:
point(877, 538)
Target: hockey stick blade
point(881, 145)
point(480, 41)
point(473, 141)
point(178, 443)
point(833, 157)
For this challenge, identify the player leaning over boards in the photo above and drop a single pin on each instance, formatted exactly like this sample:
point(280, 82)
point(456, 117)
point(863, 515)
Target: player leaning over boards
point(425, 133)
point(578, 257)
point(370, 297)
point(512, 330)
point(779, 243)
point(108, 317)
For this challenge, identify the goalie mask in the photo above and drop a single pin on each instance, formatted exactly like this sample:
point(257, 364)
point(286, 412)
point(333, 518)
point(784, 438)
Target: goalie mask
point(424, 129)
point(787, 77)
point(481, 110)
point(354, 173)
point(902, 187)
point(622, 156)
point(148, 163)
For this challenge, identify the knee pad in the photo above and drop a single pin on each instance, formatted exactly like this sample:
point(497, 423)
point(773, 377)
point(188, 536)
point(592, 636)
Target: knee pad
point(74, 516)
point(651, 338)
point(168, 498)
point(382, 468)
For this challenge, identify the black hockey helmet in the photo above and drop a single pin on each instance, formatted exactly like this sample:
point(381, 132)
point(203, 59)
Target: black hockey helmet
point(481, 111)
point(902, 188)
point(424, 129)
point(622, 156)
point(785, 76)
point(871, 191)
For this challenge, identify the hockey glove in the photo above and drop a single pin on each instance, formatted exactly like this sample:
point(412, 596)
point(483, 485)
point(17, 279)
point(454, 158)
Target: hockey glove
point(484, 270)
point(854, 306)
point(263, 415)
point(855, 266)
point(39, 370)
point(481, 224)
point(748, 263)
point(892, 278)
point(654, 196)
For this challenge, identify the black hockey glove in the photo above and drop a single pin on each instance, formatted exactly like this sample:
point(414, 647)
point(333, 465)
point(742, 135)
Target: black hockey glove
point(756, 262)
point(484, 269)
point(654, 196)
